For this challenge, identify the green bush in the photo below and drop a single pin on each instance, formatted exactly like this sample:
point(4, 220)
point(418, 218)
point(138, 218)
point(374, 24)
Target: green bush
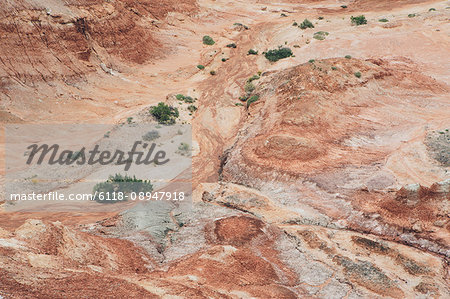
point(311, 61)
point(359, 20)
point(252, 52)
point(207, 40)
point(151, 135)
point(306, 24)
point(251, 100)
point(295, 24)
point(321, 35)
point(334, 68)
point(243, 98)
point(383, 20)
point(348, 57)
point(180, 97)
point(358, 75)
point(344, 6)
point(411, 15)
point(164, 114)
point(119, 183)
point(277, 54)
point(200, 67)
point(432, 9)
point(233, 45)
point(253, 78)
point(320, 18)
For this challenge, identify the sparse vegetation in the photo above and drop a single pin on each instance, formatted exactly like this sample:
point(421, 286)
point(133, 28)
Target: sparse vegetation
point(253, 78)
point(233, 45)
point(252, 52)
point(295, 24)
point(212, 73)
point(192, 108)
point(151, 135)
point(241, 25)
point(348, 57)
point(164, 114)
point(321, 35)
point(129, 120)
point(224, 59)
point(115, 184)
point(283, 15)
point(277, 54)
point(183, 149)
point(359, 20)
point(383, 20)
point(344, 6)
point(432, 9)
point(207, 40)
point(249, 87)
point(238, 104)
point(251, 100)
point(186, 99)
point(411, 15)
point(320, 18)
point(311, 61)
point(306, 24)
point(334, 68)
point(200, 67)
point(358, 75)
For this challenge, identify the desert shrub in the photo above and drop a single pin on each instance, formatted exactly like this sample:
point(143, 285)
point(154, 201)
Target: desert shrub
point(277, 54)
point(243, 98)
point(212, 73)
point(358, 75)
point(311, 61)
point(151, 135)
point(192, 108)
point(183, 149)
point(241, 25)
point(119, 183)
point(344, 6)
point(207, 40)
point(200, 67)
point(295, 24)
point(129, 120)
point(320, 18)
point(224, 59)
point(359, 20)
point(249, 87)
point(306, 24)
point(253, 78)
point(179, 97)
point(348, 57)
point(283, 15)
point(383, 20)
point(251, 100)
point(164, 114)
point(411, 15)
point(321, 35)
point(233, 45)
point(252, 52)
point(432, 9)
point(334, 68)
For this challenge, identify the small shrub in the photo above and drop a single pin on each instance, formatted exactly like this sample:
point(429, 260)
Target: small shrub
point(358, 75)
point(251, 100)
point(179, 97)
point(192, 108)
point(189, 99)
point(151, 135)
point(320, 18)
point(334, 68)
point(243, 98)
point(233, 45)
point(344, 6)
point(224, 59)
point(359, 20)
point(432, 9)
point(238, 104)
point(200, 67)
point(348, 57)
point(129, 120)
point(306, 24)
point(212, 73)
point(183, 149)
point(249, 87)
point(295, 24)
point(253, 78)
point(252, 52)
point(383, 20)
point(321, 35)
point(164, 114)
point(119, 183)
point(311, 61)
point(283, 15)
point(241, 25)
point(277, 54)
point(207, 40)
point(411, 15)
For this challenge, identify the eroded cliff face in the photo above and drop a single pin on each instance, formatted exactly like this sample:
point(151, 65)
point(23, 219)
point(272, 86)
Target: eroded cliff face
point(330, 185)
